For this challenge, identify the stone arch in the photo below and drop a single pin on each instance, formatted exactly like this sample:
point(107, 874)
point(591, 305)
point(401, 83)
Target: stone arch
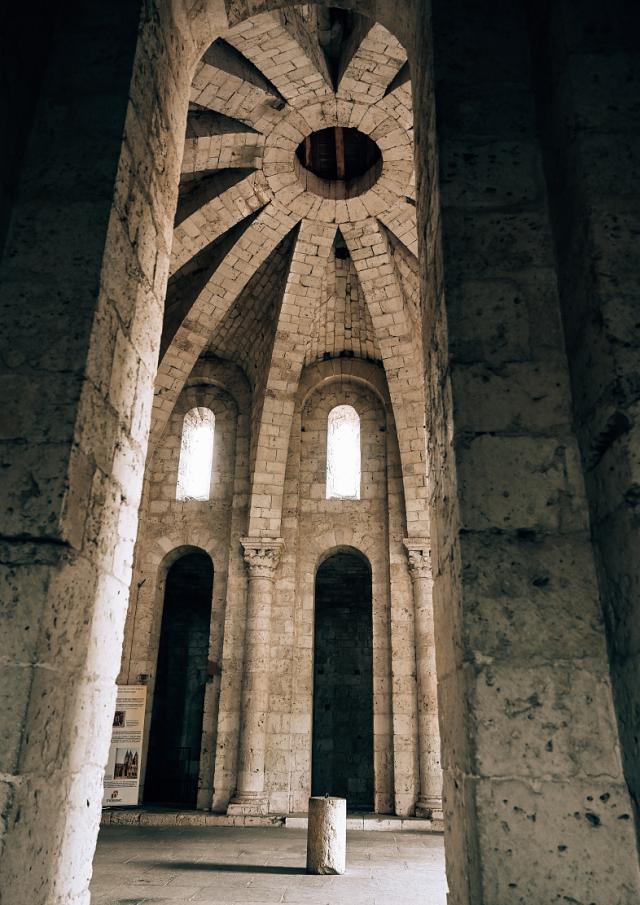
point(356, 370)
point(342, 548)
point(122, 351)
point(325, 542)
point(360, 373)
point(162, 554)
point(142, 634)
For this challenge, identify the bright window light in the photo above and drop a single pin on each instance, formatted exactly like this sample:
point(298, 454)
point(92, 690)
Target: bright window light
point(196, 455)
point(343, 453)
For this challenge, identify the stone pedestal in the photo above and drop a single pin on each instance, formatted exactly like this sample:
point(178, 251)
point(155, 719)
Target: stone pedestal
point(261, 556)
point(429, 802)
point(327, 835)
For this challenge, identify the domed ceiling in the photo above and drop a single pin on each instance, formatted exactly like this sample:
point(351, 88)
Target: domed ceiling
point(295, 235)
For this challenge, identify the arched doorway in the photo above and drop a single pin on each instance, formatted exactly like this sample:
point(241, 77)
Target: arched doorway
point(176, 723)
point(342, 752)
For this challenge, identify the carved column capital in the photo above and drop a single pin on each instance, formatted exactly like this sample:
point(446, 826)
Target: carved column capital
point(262, 555)
point(419, 556)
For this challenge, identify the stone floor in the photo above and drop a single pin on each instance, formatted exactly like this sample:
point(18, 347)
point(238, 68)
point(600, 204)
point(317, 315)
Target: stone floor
point(230, 865)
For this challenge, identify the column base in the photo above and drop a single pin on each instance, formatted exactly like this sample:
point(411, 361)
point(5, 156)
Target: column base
point(248, 804)
point(430, 808)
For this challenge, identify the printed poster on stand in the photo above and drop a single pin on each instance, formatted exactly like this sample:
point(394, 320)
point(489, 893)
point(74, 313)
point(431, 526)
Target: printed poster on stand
point(122, 776)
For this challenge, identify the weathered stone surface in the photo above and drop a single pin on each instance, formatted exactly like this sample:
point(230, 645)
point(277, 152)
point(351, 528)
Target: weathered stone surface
point(520, 344)
point(327, 836)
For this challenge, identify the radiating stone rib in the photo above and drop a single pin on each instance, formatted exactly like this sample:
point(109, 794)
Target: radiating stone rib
point(399, 103)
point(301, 298)
point(212, 303)
point(246, 333)
point(408, 273)
point(216, 217)
point(296, 72)
point(215, 152)
point(233, 96)
point(401, 221)
point(214, 141)
point(377, 60)
point(402, 359)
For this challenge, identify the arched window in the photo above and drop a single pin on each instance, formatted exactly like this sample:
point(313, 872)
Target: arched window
point(196, 455)
point(343, 453)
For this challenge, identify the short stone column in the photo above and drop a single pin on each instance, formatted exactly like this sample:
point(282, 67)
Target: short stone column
point(327, 835)
point(261, 556)
point(429, 802)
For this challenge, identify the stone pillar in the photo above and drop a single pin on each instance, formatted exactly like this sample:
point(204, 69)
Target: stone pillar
point(523, 673)
point(261, 556)
point(327, 835)
point(587, 148)
point(429, 802)
point(82, 289)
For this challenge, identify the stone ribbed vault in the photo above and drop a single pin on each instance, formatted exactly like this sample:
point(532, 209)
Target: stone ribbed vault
point(263, 249)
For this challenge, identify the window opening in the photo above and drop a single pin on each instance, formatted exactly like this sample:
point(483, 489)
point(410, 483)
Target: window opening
point(343, 453)
point(196, 455)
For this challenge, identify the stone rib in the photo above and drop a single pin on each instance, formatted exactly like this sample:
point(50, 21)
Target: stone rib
point(301, 297)
point(401, 222)
point(216, 217)
point(401, 357)
point(286, 63)
point(373, 66)
point(212, 303)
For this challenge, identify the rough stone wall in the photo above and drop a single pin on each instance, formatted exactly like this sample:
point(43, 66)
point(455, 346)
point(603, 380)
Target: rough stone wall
point(168, 526)
point(588, 84)
point(535, 802)
point(72, 262)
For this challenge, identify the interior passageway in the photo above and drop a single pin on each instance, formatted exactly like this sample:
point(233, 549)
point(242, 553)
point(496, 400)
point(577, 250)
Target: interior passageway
point(343, 682)
point(178, 702)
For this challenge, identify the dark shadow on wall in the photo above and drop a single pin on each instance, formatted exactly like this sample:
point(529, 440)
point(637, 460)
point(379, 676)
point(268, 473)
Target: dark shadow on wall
point(24, 51)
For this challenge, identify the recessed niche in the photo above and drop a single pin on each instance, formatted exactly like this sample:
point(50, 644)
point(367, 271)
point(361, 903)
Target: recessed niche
point(338, 162)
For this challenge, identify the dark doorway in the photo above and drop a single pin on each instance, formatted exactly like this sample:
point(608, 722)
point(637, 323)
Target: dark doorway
point(178, 703)
point(342, 755)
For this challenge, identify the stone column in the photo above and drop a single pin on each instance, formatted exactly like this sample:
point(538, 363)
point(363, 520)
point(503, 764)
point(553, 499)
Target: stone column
point(261, 556)
point(429, 802)
point(327, 835)
point(522, 659)
point(82, 289)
